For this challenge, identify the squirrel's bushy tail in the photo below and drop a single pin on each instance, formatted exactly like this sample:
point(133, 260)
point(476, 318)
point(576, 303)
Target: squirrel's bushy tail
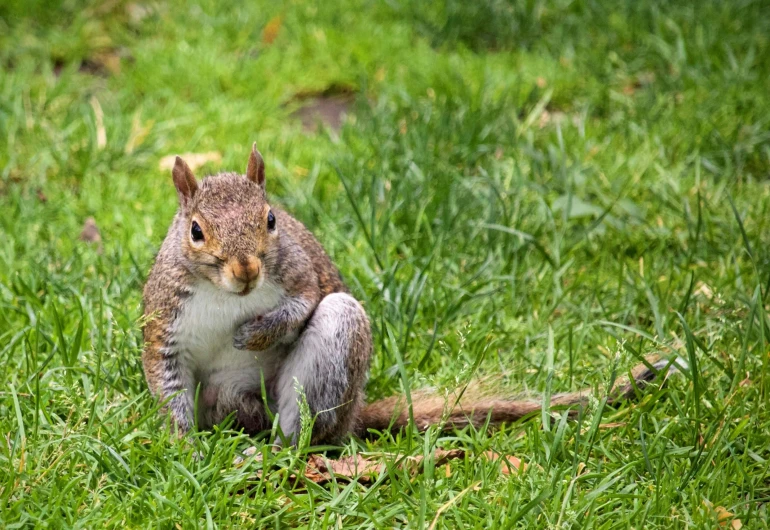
point(428, 409)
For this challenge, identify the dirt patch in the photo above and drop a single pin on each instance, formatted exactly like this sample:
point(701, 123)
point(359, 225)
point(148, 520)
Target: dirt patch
point(326, 108)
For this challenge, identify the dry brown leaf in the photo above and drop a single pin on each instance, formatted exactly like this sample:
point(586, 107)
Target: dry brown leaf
point(362, 469)
point(349, 466)
point(442, 455)
point(90, 233)
point(511, 463)
point(725, 518)
point(271, 29)
point(508, 463)
point(194, 160)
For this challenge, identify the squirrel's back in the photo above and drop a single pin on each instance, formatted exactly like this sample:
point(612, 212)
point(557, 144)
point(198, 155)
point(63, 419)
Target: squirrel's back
point(329, 278)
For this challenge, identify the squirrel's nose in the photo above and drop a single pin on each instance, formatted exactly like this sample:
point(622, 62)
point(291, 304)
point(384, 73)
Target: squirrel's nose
point(246, 269)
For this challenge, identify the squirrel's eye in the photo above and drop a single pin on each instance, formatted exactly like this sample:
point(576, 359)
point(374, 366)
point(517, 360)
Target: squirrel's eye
point(195, 232)
point(270, 220)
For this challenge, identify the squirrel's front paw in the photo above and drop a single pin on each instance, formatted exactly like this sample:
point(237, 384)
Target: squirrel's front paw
point(253, 335)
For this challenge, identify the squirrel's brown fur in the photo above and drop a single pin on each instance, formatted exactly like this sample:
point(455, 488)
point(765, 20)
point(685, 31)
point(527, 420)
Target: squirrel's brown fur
point(242, 298)
point(243, 304)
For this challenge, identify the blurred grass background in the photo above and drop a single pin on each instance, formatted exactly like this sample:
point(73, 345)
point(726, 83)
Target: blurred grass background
point(537, 191)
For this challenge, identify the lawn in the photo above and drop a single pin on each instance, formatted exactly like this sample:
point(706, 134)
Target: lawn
point(535, 194)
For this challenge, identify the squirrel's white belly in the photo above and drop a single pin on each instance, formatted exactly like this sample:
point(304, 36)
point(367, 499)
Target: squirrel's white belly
point(204, 331)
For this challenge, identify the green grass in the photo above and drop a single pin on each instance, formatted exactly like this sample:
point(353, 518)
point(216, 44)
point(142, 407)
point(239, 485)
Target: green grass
point(540, 191)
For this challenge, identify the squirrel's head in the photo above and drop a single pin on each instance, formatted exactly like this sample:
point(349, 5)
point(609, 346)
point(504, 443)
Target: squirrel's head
point(228, 228)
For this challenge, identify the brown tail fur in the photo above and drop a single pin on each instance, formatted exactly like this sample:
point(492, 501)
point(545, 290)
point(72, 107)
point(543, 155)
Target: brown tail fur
point(428, 409)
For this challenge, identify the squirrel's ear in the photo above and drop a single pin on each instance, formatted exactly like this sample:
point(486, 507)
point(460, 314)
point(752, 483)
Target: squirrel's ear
point(256, 168)
point(184, 180)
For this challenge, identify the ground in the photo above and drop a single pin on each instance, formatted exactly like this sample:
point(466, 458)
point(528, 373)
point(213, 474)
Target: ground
point(535, 194)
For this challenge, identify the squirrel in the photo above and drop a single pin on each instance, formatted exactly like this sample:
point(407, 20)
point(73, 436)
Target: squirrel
point(245, 310)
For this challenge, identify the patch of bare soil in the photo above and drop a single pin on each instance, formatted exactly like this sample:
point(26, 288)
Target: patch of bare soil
point(325, 108)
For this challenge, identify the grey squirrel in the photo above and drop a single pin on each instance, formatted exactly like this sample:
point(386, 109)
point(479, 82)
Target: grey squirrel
point(242, 297)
